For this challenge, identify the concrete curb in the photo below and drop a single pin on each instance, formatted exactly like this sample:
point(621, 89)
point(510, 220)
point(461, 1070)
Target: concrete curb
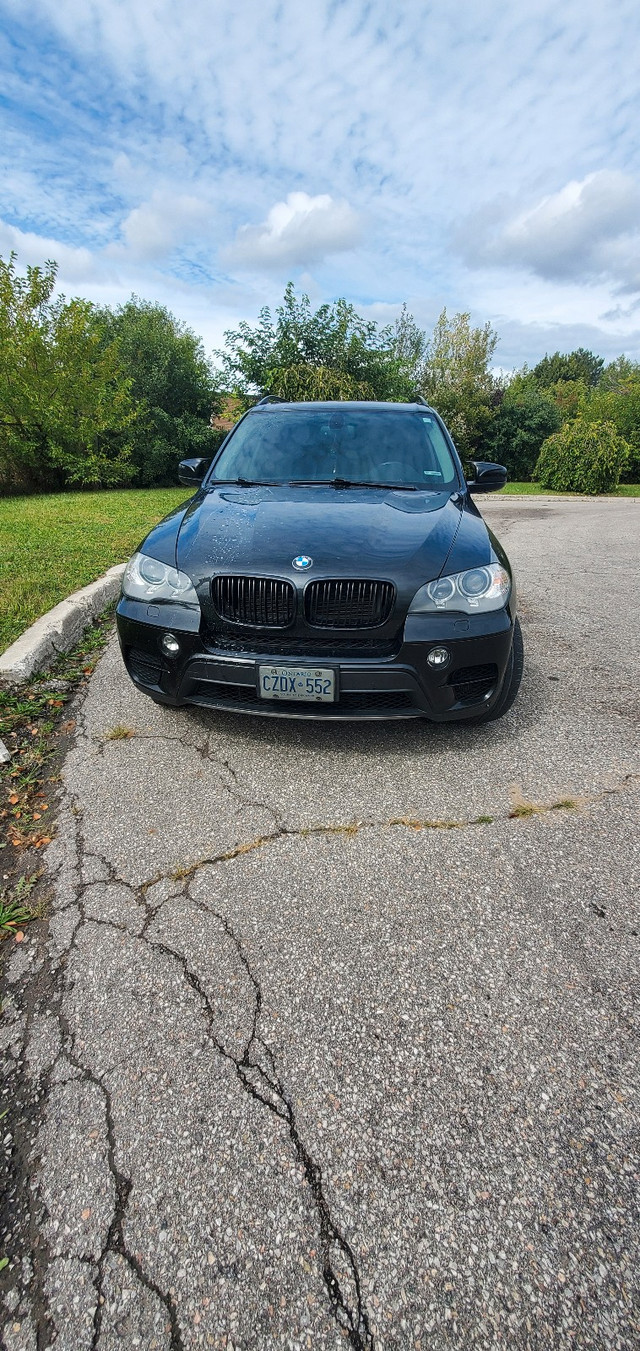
point(60, 629)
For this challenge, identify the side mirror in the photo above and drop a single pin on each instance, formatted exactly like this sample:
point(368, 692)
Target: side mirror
point(487, 477)
point(192, 472)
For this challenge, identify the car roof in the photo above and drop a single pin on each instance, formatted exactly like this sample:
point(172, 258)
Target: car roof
point(340, 405)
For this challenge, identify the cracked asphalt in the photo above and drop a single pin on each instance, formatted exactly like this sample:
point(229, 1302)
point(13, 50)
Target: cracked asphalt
point(331, 1036)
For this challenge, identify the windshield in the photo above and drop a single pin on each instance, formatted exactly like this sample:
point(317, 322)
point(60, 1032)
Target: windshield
point(323, 445)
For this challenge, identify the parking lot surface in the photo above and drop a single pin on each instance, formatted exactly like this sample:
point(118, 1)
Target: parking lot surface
point(333, 1040)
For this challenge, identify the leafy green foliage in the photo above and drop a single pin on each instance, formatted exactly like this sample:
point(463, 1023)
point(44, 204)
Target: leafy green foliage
point(567, 396)
point(306, 383)
point(65, 401)
point(96, 398)
point(577, 365)
point(617, 400)
point(172, 384)
point(584, 457)
point(303, 342)
point(410, 346)
point(457, 379)
point(524, 419)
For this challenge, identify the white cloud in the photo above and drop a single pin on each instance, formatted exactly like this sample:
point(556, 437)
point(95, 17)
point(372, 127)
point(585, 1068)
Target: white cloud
point(74, 265)
point(120, 118)
point(153, 229)
point(300, 230)
point(588, 230)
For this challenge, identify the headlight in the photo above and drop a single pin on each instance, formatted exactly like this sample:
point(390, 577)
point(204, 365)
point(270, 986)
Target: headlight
point(147, 579)
point(485, 588)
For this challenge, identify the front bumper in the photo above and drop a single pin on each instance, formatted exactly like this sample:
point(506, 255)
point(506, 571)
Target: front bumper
point(398, 685)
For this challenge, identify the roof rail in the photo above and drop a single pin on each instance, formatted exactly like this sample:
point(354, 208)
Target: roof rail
point(270, 398)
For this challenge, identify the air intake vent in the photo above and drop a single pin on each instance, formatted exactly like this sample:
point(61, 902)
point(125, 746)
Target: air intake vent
point(471, 683)
point(144, 667)
point(348, 604)
point(261, 601)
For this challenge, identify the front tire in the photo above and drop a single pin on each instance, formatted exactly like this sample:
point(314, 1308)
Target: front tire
point(511, 683)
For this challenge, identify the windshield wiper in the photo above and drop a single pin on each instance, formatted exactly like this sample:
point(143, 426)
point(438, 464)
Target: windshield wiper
point(349, 483)
point(245, 483)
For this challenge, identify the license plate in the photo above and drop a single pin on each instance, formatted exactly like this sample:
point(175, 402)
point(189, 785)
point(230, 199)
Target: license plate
point(302, 683)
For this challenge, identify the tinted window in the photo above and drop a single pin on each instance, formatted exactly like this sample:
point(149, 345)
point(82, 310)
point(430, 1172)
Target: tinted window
point(368, 445)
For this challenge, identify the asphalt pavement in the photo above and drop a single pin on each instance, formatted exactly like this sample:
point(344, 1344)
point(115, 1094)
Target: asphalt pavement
point(332, 1039)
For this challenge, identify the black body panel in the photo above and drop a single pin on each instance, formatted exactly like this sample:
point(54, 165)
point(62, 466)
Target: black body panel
point(238, 544)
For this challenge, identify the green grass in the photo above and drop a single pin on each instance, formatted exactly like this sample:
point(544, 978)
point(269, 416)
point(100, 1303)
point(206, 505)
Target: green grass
point(535, 490)
point(53, 544)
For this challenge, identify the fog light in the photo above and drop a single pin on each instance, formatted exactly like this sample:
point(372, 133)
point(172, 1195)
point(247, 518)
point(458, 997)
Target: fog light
point(170, 645)
point(438, 657)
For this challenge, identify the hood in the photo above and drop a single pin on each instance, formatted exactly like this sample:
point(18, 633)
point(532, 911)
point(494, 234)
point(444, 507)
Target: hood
point(347, 532)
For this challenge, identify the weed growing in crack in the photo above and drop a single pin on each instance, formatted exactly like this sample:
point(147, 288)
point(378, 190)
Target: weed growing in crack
point(415, 824)
point(119, 733)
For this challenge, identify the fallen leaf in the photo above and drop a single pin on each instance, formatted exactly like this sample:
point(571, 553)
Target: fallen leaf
point(86, 1213)
point(68, 726)
point(13, 799)
point(19, 936)
point(36, 816)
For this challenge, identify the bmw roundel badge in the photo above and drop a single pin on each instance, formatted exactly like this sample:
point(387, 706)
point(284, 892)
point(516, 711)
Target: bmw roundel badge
point(302, 562)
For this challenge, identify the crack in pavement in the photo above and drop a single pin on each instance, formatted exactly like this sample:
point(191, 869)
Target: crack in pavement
point(257, 1074)
point(519, 809)
point(254, 1066)
point(262, 1082)
point(123, 1185)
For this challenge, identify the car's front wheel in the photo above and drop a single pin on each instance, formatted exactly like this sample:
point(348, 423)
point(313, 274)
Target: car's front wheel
point(511, 683)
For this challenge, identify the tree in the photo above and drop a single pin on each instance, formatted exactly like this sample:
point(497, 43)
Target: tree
point(618, 402)
point(65, 402)
point(584, 457)
point(286, 353)
point(577, 365)
point(172, 383)
point(409, 346)
point(525, 418)
point(305, 383)
point(620, 374)
point(458, 381)
point(567, 396)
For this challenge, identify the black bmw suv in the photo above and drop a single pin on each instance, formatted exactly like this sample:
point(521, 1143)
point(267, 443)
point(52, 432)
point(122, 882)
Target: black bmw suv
point(331, 563)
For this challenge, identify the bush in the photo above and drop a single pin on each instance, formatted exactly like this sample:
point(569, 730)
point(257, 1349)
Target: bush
point(525, 419)
point(584, 457)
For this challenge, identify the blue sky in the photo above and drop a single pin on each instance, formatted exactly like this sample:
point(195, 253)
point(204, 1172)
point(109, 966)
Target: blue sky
point(482, 156)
